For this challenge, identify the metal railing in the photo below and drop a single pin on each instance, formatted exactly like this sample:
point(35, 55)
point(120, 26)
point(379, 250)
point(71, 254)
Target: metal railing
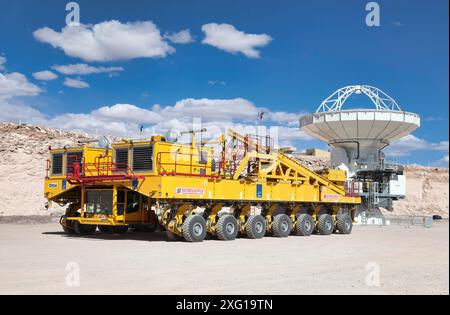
point(185, 165)
point(353, 188)
point(102, 169)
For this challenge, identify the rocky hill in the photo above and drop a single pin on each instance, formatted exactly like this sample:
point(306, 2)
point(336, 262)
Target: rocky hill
point(24, 149)
point(427, 192)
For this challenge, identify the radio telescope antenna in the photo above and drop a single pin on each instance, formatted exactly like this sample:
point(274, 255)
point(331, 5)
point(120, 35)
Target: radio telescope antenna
point(335, 101)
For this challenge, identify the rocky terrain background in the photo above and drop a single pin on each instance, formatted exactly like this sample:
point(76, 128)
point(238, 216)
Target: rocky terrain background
point(24, 151)
point(427, 192)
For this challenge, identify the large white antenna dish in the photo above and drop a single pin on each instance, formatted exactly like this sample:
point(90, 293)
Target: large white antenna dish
point(381, 100)
point(358, 136)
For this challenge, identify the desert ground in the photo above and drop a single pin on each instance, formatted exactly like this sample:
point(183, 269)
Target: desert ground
point(372, 260)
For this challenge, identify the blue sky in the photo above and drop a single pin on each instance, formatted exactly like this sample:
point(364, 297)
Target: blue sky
point(303, 51)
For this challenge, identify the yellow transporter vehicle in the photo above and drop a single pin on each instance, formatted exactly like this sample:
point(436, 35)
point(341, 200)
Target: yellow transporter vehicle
point(185, 190)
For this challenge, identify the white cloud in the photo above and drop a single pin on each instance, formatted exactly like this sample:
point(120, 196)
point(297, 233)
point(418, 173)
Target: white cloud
point(227, 37)
point(16, 84)
point(19, 113)
point(215, 82)
point(210, 109)
point(108, 41)
point(83, 69)
point(181, 37)
point(45, 75)
point(127, 112)
point(432, 119)
point(292, 134)
point(442, 162)
point(76, 83)
point(408, 144)
point(12, 86)
point(291, 119)
point(2, 63)
point(217, 115)
point(125, 120)
point(92, 124)
point(113, 74)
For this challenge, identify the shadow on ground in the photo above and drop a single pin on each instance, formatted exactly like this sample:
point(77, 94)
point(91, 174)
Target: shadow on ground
point(135, 236)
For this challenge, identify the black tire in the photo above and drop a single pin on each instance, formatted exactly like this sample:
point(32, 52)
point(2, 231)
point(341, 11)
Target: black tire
point(281, 225)
point(72, 210)
point(173, 237)
point(227, 228)
point(194, 228)
point(108, 229)
point(255, 227)
point(325, 224)
point(66, 228)
point(344, 224)
point(120, 229)
point(68, 231)
point(305, 225)
point(105, 229)
point(84, 229)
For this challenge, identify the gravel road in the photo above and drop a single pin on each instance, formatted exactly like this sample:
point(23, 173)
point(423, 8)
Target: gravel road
point(372, 260)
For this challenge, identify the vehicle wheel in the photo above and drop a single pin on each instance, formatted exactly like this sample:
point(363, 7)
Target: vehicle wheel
point(172, 236)
point(305, 225)
point(325, 224)
point(72, 210)
point(194, 228)
point(106, 229)
point(281, 225)
point(255, 227)
point(227, 228)
point(344, 224)
point(84, 229)
point(67, 230)
point(119, 229)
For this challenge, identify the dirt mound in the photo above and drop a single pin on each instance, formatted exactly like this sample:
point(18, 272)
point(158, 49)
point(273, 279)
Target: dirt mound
point(24, 151)
point(427, 192)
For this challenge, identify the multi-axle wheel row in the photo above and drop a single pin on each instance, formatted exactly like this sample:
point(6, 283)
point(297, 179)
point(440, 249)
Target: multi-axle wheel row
point(195, 228)
point(182, 223)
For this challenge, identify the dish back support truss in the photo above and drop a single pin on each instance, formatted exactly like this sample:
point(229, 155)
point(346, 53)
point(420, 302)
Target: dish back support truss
point(381, 100)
